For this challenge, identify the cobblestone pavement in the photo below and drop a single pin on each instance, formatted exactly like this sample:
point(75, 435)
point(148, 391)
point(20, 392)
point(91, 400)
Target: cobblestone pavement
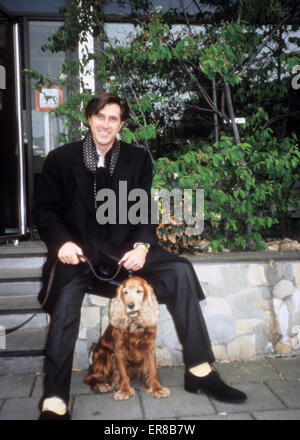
point(272, 386)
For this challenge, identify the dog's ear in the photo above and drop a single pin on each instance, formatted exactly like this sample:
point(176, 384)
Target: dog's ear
point(149, 312)
point(119, 292)
point(118, 317)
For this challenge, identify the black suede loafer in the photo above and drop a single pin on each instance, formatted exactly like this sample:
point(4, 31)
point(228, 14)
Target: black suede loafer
point(50, 415)
point(213, 386)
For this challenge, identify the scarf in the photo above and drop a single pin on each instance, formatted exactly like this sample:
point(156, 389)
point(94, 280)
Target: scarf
point(101, 175)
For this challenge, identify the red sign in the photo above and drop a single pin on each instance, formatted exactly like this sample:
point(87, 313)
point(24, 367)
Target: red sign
point(48, 99)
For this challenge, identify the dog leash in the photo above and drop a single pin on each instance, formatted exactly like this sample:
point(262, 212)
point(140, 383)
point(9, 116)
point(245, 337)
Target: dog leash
point(49, 285)
point(98, 276)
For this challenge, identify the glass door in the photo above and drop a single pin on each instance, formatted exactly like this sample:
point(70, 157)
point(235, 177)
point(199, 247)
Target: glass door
point(45, 128)
point(12, 192)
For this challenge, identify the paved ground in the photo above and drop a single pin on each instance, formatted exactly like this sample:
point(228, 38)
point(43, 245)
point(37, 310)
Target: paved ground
point(272, 385)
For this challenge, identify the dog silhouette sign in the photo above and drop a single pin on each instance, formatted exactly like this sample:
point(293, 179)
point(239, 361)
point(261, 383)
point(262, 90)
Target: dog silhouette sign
point(48, 99)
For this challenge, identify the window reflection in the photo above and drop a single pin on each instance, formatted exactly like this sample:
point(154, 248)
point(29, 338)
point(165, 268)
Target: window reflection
point(45, 128)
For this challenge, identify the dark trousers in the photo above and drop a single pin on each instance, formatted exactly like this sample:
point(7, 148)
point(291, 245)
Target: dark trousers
point(174, 283)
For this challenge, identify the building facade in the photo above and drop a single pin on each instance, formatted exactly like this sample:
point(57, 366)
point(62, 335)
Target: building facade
point(28, 130)
point(28, 133)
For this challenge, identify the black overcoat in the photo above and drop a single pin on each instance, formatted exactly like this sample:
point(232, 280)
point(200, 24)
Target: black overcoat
point(64, 210)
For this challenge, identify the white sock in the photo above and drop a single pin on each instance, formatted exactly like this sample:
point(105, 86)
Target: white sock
point(55, 404)
point(201, 370)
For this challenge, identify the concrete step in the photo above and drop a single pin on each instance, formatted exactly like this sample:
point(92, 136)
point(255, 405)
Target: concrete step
point(24, 274)
point(20, 287)
point(15, 310)
point(25, 341)
point(24, 352)
point(20, 274)
point(16, 262)
point(13, 319)
point(24, 248)
point(18, 304)
point(21, 263)
point(20, 283)
point(21, 364)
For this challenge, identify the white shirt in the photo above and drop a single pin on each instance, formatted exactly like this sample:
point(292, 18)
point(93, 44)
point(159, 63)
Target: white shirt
point(100, 160)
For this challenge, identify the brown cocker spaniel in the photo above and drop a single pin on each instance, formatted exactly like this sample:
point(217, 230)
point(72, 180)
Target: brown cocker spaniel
point(127, 347)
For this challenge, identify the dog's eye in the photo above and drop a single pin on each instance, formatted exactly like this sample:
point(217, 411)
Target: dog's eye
point(140, 290)
point(125, 291)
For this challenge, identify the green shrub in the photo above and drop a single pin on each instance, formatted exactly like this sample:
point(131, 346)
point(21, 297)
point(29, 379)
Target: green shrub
point(247, 190)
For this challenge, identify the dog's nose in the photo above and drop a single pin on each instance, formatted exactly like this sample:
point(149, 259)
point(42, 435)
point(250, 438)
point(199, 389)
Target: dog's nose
point(131, 305)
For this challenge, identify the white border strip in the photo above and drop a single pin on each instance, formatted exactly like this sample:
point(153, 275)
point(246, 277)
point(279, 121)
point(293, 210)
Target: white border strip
point(20, 150)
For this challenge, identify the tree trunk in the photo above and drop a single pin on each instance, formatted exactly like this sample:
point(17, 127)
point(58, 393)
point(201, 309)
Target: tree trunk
point(216, 124)
point(237, 141)
point(235, 129)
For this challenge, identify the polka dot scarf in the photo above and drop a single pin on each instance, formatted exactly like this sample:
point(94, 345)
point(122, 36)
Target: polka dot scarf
point(90, 158)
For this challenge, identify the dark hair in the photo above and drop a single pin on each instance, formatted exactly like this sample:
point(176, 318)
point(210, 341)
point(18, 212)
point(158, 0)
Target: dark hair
point(101, 100)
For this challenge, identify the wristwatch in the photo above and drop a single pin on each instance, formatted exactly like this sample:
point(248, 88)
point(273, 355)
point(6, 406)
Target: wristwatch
point(144, 245)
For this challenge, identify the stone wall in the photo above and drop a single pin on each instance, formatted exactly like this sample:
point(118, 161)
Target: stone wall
point(252, 308)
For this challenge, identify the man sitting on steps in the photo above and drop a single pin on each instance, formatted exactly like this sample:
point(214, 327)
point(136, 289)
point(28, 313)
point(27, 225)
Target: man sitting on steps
point(65, 214)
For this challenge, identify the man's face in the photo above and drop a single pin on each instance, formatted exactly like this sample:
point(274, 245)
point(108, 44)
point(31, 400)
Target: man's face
point(105, 126)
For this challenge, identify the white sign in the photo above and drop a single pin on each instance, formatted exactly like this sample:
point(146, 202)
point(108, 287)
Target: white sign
point(48, 99)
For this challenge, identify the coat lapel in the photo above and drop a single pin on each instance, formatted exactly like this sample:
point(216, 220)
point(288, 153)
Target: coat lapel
point(84, 179)
point(124, 166)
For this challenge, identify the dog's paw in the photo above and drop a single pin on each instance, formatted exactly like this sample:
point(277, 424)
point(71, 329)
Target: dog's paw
point(124, 395)
point(103, 387)
point(158, 393)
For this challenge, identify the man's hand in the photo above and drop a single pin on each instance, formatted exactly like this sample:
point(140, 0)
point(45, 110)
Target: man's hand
point(134, 259)
point(67, 254)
